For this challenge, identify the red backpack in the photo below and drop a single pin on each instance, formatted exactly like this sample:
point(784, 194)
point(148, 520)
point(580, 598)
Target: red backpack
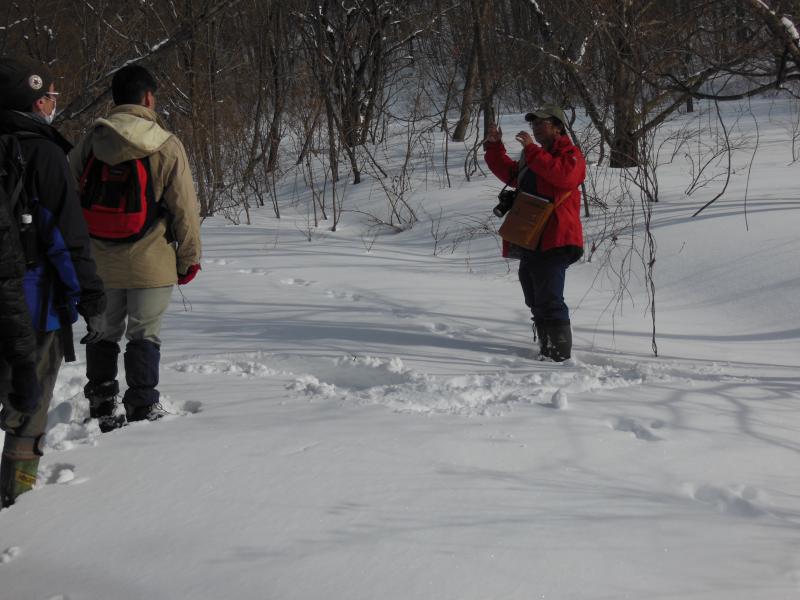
point(118, 200)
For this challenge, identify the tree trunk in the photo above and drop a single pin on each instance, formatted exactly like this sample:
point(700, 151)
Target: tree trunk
point(332, 154)
point(470, 83)
point(624, 151)
point(480, 11)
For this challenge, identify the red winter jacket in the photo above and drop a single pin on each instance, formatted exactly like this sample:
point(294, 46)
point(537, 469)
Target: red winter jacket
point(550, 174)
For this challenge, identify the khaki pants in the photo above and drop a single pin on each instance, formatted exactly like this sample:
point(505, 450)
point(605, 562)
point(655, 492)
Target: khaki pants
point(144, 310)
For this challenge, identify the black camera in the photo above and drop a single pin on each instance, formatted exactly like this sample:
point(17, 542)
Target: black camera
point(506, 201)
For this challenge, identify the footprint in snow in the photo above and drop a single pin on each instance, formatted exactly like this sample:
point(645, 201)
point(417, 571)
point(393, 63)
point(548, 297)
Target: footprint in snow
point(60, 473)
point(244, 366)
point(295, 281)
point(442, 329)
point(343, 295)
point(640, 430)
point(504, 361)
point(252, 271)
point(180, 408)
point(10, 554)
point(739, 502)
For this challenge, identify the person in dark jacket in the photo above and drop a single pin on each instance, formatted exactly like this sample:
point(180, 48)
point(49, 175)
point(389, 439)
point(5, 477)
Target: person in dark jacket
point(551, 166)
point(63, 281)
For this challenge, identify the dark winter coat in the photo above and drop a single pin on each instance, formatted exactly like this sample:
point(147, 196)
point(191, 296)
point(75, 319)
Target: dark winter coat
point(552, 174)
point(65, 277)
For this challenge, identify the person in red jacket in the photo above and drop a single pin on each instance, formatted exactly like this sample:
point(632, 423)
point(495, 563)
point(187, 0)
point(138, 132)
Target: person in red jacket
point(551, 167)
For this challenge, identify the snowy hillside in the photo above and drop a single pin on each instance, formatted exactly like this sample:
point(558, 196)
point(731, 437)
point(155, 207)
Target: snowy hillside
point(357, 418)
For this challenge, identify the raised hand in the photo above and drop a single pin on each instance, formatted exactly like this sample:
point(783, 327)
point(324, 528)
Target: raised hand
point(524, 138)
point(494, 133)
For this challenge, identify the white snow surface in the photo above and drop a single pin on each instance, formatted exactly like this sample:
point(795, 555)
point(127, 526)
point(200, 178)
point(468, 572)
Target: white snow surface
point(368, 421)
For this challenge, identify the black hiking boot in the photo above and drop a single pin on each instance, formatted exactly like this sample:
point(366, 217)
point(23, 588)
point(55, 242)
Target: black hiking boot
point(151, 412)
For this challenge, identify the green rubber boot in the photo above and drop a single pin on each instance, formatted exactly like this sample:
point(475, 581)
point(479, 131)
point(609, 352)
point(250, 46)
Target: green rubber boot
point(18, 468)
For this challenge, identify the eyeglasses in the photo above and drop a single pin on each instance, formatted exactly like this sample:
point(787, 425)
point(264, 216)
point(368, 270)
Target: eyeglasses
point(52, 95)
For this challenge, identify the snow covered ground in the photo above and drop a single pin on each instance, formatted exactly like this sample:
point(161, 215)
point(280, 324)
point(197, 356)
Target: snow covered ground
point(356, 418)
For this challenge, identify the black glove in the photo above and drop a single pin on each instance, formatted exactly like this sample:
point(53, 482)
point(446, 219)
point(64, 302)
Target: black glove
point(92, 304)
point(95, 327)
point(25, 389)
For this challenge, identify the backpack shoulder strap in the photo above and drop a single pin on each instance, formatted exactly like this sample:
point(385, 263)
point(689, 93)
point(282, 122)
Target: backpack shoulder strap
point(14, 149)
point(87, 167)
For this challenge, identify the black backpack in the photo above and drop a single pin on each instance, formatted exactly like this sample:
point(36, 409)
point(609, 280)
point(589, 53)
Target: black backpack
point(18, 243)
point(17, 337)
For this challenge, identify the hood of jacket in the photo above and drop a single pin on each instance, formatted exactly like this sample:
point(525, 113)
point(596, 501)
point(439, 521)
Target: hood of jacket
point(129, 131)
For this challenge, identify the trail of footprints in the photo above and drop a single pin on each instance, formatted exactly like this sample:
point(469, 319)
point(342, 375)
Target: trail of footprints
point(438, 328)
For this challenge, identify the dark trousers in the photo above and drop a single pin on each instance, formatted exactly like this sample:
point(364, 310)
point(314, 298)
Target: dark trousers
point(141, 359)
point(542, 277)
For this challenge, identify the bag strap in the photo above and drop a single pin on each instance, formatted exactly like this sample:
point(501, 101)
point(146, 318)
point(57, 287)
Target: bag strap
point(560, 200)
point(518, 177)
point(521, 172)
point(15, 195)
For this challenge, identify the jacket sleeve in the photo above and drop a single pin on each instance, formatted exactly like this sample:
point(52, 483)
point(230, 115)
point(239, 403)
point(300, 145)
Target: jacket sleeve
point(566, 170)
point(77, 158)
point(181, 199)
point(503, 166)
point(63, 231)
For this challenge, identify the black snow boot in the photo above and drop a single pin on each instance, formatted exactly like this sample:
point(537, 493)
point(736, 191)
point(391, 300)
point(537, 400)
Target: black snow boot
point(152, 412)
point(541, 333)
point(103, 404)
point(559, 340)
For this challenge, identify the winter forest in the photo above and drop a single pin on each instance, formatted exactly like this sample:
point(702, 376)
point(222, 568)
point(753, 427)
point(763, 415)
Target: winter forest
point(356, 411)
point(265, 91)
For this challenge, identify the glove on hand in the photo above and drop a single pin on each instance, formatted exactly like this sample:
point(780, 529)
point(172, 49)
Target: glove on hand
point(95, 327)
point(25, 389)
point(189, 275)
point(92, 304)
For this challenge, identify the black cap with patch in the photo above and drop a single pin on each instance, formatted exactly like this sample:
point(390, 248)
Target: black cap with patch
point(22, 82)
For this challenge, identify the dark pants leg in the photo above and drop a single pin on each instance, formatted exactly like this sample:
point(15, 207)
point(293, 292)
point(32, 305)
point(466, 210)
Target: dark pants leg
point(102, 356)
point(542, 279)
point(101, 371)
point(142, 358)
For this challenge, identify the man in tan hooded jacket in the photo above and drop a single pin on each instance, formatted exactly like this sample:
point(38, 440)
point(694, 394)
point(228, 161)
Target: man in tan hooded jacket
point(138, 275)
